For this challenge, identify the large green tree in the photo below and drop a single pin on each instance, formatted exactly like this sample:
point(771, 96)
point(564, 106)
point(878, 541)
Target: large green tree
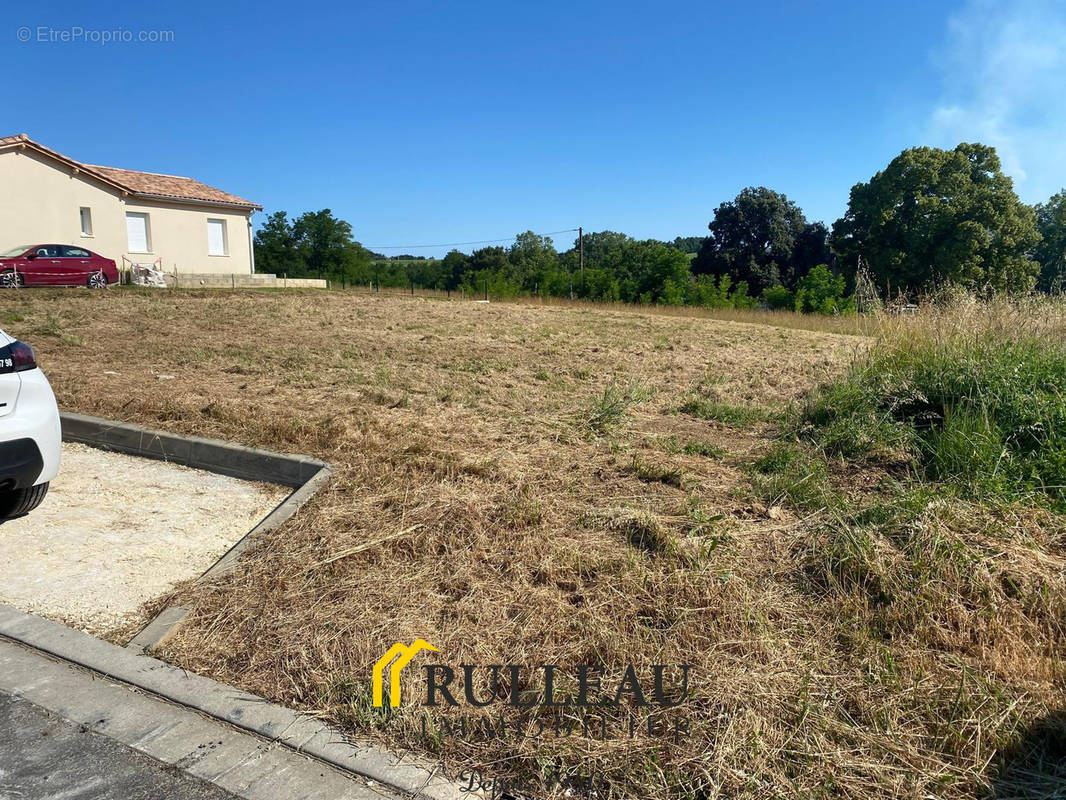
point(933, 216)
point(276, 248)
point(810, 250)
point(328, 247)
point(533, 260)
point(604, 250)
point(654, 273)
point(688, 244)
point(453, 268)
point(618, 267)
point(315, 244)
point(753, 239)
point(1051, 252)
point(489, 271)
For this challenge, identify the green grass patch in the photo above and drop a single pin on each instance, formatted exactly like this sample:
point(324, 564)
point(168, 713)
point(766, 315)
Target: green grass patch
point(698, 447)
point(607, 411)
point(694, 447)
point(983, 411)
point(789, 471)
point(714, 411)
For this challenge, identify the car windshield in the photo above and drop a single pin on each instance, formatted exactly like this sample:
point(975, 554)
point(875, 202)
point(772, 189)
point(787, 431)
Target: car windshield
point(15, 251)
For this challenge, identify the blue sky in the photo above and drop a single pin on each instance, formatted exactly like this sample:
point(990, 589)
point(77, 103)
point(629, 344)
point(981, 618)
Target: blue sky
point(437, 122)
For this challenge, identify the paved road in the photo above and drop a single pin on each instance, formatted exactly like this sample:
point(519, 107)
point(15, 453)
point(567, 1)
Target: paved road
point(43, 756)
point(67, 733)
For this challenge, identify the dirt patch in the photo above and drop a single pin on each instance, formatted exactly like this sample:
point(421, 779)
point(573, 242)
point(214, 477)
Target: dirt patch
point(116, 531)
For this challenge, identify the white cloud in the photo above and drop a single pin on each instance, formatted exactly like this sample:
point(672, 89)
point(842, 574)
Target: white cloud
point(1004, 84)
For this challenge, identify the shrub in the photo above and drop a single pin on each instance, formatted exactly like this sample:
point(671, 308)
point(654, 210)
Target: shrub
point(981, 407)
point(777, 298)
point(710, 292)
point(821, 292)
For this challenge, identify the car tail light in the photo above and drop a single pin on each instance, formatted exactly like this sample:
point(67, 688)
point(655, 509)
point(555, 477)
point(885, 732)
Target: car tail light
point(17, 357)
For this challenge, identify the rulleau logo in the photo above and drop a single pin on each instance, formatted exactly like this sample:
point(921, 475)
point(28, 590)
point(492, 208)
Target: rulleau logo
point(530, 687)
point(405, 653)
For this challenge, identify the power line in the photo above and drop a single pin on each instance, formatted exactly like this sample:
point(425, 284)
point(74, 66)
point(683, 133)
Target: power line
point(457, 244)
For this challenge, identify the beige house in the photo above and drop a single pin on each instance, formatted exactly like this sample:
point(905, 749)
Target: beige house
point(184, 225)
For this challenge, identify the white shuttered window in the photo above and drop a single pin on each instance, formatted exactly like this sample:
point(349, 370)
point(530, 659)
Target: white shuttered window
point(137, 233)
point(216, 237)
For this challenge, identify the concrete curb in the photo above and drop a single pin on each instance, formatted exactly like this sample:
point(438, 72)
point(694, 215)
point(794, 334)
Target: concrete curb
point(159, 628)
point(303, 474)
point(225, 458)
point(302, 734)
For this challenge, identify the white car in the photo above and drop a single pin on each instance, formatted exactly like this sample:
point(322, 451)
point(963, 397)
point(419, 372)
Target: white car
point(30, 435)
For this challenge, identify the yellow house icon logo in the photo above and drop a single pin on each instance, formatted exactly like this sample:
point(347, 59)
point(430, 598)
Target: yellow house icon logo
point(405, 654)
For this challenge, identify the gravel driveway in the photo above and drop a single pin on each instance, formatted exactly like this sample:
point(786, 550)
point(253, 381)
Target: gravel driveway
point(117, 530)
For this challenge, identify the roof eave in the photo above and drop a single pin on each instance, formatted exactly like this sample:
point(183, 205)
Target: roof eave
point(173, 198)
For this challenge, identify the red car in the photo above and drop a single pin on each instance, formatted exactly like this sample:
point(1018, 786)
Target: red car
point(55, 265)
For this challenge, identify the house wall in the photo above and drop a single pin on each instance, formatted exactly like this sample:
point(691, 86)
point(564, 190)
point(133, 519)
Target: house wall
point(40, 201)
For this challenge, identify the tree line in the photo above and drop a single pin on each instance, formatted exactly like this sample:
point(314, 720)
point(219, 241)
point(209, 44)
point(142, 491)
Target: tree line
point(930, 217)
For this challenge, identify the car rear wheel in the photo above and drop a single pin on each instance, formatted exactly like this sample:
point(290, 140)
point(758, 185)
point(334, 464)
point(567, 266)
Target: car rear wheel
point(16, 502)
point(10, 278)
point(97, 280)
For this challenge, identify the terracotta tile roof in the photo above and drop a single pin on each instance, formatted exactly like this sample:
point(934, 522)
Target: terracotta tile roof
point(168, 186)
point(143, 184)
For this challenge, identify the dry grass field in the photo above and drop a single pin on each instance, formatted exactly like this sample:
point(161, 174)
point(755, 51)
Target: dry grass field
point(532, 485)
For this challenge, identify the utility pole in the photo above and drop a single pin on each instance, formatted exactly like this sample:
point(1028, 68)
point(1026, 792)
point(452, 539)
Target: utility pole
point(581, 249)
